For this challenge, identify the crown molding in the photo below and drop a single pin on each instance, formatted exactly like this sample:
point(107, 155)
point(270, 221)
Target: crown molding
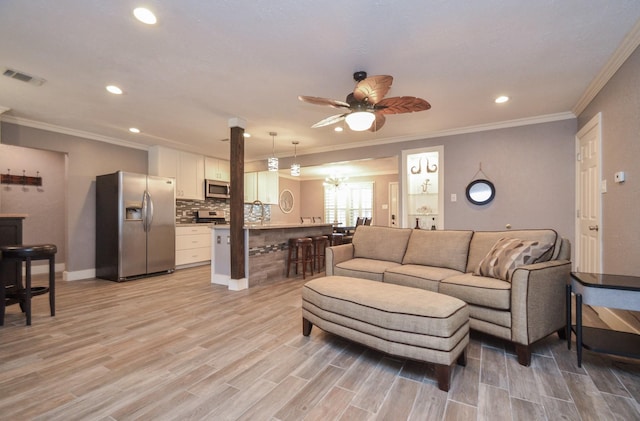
point(443, 133)
point(71, 132)
point(628, 45)
point(547, 118)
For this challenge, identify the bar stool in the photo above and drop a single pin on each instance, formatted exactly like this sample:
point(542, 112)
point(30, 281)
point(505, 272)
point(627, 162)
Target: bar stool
point(335, 239)
point(320, 243)
point(27, 253)
point(303, 249)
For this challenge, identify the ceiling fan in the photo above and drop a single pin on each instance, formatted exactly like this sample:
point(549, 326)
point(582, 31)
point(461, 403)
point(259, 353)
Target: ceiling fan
point(365, 107)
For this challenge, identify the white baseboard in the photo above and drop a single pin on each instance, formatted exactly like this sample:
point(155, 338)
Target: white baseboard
point(79, 274)
point(614, 321)
point(43, 268)
point(233, 284)
point(238, 284)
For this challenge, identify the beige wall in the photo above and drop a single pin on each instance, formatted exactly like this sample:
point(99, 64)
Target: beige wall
point(619, 103)
point(44, 204)
point(531, 166)
point(86, 160)
point(279, 217)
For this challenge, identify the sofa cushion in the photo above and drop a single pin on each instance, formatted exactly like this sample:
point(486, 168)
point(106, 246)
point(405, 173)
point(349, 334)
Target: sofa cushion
point(364, 268)
point(478, 290)
point(445, 249)
point(380, 243)
point(483, 241)
point(507, 255)
point(418, 276)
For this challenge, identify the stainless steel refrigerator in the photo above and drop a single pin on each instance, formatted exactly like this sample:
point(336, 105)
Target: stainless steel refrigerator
point(135, 225)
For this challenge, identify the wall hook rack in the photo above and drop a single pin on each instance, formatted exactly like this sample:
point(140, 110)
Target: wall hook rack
point(23, 179)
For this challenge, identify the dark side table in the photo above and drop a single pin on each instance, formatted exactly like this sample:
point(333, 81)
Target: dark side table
point(615, 291)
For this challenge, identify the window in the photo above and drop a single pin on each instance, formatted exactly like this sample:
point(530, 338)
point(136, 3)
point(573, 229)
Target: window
point(345, 203)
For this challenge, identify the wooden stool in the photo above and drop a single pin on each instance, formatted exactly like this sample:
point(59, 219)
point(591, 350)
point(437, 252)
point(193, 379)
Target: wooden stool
point(18, 294)
point(335, 239)
point(319, 244)
point(303, 249)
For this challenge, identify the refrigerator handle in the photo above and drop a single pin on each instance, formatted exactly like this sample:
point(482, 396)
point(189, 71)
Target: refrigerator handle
point(149, 211)
point(144, 211)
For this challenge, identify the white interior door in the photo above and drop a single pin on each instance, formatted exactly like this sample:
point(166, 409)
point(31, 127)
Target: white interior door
point(589, 201)
point(393, 205)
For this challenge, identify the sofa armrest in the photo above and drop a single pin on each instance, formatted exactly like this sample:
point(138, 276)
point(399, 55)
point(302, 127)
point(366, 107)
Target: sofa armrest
point(538, 305)
point(336, 255)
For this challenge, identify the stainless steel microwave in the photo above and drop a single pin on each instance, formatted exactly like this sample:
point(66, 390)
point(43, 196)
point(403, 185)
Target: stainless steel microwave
point(216, 189)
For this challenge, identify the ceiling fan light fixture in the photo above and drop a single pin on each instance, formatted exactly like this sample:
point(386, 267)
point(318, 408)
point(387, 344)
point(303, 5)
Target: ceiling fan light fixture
point(360, 120)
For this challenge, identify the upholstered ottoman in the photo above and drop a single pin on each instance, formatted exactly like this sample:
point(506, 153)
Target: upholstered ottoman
point(402, 321)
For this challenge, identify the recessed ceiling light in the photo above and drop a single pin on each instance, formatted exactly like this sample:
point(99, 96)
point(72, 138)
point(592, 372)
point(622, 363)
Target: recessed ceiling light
point(145, 15)
point(134, 130)
point(114, 89)
point(245, 134)
point(338, 129)
point(502, 99)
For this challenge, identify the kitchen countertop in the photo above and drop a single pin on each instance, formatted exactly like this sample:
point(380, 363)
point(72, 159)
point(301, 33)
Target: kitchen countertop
point(266, 226)
point(206, 224)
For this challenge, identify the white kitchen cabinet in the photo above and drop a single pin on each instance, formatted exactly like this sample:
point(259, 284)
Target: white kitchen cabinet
point(186, 167)
point(217, 169)
point(268, 187)
point(250, 186)
point(193, 245)
point(262, 185)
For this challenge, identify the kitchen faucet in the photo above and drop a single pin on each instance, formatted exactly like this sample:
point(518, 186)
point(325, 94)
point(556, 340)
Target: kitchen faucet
point(258, 202)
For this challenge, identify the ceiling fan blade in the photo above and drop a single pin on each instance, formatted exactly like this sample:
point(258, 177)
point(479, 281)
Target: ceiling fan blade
point(329, 120)
point(402, 104)
point(380, 120)
point(323, 101)
point(373, 88)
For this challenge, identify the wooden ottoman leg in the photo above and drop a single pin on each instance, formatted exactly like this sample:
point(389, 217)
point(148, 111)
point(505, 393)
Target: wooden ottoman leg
point(443, 376)
point(306, 327)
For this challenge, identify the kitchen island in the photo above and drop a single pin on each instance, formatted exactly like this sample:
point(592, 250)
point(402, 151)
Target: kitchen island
point(266, 248)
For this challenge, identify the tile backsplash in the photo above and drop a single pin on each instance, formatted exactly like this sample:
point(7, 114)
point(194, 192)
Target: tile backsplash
point(186, 210)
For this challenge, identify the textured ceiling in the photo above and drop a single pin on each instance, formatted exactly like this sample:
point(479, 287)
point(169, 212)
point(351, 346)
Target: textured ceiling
point(208, 61)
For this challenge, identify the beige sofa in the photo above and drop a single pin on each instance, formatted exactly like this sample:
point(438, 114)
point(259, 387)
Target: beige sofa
point(523, 307)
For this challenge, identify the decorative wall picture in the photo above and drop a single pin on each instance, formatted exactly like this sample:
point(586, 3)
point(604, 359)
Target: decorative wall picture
point(286, 201)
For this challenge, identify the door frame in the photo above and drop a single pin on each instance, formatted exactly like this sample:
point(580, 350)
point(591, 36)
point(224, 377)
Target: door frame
point(394, 193)
point(594, 124)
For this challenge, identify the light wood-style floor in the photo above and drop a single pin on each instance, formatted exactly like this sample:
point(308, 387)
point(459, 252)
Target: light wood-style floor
point(174, 347)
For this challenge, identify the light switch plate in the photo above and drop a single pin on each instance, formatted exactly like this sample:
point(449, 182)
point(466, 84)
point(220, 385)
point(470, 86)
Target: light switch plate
point(454, 197)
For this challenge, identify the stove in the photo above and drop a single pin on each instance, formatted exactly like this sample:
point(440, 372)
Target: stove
point(210, 217)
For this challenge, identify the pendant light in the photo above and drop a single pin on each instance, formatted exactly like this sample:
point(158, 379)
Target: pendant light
point(295, 167)
point(272, 162)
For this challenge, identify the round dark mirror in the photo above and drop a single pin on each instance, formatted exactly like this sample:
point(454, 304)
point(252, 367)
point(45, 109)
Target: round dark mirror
point(480, 192)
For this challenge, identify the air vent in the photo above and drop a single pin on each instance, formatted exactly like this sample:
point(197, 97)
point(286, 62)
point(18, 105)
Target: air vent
point(24, 77)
